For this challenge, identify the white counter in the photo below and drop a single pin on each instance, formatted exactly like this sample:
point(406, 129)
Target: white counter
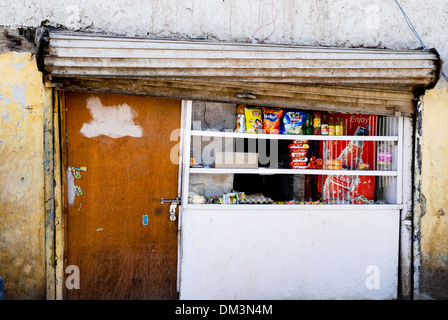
point(289, 252)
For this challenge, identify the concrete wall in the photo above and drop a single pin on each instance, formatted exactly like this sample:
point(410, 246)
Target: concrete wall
point(22, 249)
point(366, 23)
point(346, 23)
point(434, 220)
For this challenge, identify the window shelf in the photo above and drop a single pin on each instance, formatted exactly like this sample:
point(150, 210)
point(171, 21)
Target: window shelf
point(211, 133)
point(293, 207)
point(268, 171)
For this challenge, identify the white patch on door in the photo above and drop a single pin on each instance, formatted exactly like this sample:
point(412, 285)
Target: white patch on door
point(112, 121)
point(70, 187)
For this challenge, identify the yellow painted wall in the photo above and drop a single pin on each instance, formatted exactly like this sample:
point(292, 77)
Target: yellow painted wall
point(434, 221)
point(22, 245)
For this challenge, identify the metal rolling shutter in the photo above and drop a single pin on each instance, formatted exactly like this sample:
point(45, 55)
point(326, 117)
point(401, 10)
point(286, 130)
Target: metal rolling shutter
point(349, 80)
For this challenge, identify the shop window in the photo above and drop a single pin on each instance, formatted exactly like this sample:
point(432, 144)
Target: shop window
point(250, 154)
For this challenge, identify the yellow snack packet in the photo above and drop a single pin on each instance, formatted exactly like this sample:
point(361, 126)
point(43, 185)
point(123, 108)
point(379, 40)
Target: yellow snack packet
point(254, 120)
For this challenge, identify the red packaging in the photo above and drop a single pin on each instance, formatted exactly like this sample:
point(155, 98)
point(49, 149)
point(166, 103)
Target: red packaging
point(298, 165)
point(353, 155)
point(301, 161)
point(299, 154)
point(297, 151)
point(337, 189)
point(299, 141)
point(298, 146)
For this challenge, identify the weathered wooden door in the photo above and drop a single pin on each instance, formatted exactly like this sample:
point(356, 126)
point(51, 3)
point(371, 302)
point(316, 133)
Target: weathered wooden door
point(119, 166)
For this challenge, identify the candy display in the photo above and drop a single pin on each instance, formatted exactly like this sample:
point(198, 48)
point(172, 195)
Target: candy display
point(230, 198)
point(315, 163)
point(259, 119)
point(305, 151)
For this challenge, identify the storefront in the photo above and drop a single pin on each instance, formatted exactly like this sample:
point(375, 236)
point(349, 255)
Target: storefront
point(287, 210)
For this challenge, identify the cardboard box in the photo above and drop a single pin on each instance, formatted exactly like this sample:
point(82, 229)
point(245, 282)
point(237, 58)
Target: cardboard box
point(237, 160)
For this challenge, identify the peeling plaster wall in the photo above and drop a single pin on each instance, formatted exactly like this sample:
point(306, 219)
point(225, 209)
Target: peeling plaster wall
point(22, 256)
point(343, 23)
point(340, 23)
point(434, 220)
point(372, 23)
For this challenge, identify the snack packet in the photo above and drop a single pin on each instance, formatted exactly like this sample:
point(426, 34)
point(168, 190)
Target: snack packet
point(254, 120)
point(293, 146)
point(298, 165)
point(293, 122)
point(272, 120)
point(300, 154)
point(299, 161)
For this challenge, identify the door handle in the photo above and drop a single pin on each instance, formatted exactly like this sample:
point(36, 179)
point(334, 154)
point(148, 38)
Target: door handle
point(173, 207)
point(162, 201)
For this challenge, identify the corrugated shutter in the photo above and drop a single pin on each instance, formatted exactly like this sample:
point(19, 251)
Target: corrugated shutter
point(353, 80)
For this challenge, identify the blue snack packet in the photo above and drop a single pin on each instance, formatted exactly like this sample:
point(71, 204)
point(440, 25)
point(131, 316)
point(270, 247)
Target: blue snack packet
point(293, 122)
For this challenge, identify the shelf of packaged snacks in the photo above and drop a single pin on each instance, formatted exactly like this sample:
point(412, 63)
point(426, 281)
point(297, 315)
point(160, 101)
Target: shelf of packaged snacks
point(213, 133)
point(293, 171)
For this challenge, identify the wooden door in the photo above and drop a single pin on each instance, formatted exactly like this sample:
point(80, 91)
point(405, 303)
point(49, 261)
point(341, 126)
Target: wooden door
point(118, 168)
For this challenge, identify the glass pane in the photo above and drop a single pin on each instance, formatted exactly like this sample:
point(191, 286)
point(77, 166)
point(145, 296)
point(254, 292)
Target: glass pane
point(385, 190)
point(292, 189)
point(306, 159)
point(225, 152)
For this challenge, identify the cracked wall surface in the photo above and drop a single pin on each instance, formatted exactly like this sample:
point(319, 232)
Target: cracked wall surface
point(364, 23)
point(21, 178)
point(434, 220)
